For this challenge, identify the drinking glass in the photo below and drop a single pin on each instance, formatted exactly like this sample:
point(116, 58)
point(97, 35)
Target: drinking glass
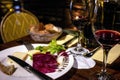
point(105, 32)
point(80, 12)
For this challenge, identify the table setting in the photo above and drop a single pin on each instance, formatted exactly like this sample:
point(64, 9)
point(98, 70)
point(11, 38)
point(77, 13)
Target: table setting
point(26, 47)
point(84, 63)
point(51, 52)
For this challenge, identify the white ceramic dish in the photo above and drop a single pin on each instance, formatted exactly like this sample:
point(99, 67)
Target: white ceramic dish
point(20, 73)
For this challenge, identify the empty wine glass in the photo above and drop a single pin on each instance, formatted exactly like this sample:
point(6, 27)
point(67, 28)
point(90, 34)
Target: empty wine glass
point(105, 32)
point(80, 12)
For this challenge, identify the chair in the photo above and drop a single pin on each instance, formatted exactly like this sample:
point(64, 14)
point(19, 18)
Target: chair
point(16, 25)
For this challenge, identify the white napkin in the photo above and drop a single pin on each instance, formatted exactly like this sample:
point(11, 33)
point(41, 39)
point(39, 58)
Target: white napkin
point(114, 53)
point(80, 61)
point(83, 63)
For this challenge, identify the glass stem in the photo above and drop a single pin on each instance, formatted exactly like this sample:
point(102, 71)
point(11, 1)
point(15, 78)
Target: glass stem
point(80, 37)
point(79, 45)
point(105, 55)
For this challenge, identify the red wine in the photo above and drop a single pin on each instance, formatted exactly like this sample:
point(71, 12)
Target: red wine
point(108, 37)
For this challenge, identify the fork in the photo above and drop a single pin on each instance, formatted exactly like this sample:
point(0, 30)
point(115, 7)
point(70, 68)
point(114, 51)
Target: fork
point(27, 44)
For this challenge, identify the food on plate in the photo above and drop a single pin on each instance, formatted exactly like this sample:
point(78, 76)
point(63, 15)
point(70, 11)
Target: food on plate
point(47, 59)
point(52, 47)
point(21, 55)
point(44, 63)
point(9, 70)
point(47, 63)
point(32, 52)
point(62, 58)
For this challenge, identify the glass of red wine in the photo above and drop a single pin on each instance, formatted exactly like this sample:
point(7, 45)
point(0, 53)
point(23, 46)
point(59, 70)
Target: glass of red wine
point(105, 32)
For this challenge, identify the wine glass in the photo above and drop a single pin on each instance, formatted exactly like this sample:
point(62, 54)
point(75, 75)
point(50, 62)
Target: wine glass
point(80, 12)
point(105, 33)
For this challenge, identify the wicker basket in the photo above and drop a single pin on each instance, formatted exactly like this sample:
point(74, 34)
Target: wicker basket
point(44, 37)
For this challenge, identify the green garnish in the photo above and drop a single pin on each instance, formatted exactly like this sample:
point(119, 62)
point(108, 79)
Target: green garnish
point(52, 47)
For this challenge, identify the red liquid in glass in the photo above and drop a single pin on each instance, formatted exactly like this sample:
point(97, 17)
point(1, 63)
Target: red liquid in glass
point(108, 37)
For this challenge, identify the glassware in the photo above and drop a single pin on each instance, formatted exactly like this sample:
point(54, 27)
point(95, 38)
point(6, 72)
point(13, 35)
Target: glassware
point(105, 32)
point(80, 12)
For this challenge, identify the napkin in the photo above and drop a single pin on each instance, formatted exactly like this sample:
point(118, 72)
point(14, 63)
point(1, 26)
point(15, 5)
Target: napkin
point(83, 63)
point(114, 53)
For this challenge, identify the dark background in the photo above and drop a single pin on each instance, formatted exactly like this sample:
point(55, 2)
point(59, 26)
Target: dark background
point(47, 11)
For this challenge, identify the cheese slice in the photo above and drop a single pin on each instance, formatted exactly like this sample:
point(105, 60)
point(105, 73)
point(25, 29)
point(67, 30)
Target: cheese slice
point(113, 54)
point(20, 55)
point(65, 39)
point(73, 42)
point(32, 52)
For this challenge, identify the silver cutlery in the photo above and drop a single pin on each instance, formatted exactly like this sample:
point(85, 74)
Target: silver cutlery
point(91, 53)
point(27, 44)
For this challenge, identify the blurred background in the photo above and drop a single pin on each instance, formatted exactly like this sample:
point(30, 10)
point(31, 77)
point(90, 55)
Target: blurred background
point(48, 11)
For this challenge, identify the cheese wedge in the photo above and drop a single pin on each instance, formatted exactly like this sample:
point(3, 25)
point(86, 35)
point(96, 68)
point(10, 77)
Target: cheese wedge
point(20, 55)
point(65, 39)
point(73, 42)
point(32, 52)
point(113, 54)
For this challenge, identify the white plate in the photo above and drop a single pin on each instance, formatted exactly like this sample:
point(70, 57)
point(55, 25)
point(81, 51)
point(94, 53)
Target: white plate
point(20, 73)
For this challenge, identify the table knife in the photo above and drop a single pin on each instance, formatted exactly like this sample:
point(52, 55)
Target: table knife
point(29, 68)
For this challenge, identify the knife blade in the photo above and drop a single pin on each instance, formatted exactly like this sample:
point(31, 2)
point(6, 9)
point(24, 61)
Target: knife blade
point(29, 68)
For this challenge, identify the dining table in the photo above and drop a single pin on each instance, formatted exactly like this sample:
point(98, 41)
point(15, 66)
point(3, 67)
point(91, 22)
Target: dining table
point(73, 73)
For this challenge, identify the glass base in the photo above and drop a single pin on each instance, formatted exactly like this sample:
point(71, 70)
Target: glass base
point(101, 76)
point(79, 50)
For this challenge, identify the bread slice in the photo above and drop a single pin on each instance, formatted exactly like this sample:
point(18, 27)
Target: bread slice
point(20, 55)
point(9, 70)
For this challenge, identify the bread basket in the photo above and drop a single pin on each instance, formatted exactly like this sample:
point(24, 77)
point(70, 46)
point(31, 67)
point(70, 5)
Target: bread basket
point(45, 34)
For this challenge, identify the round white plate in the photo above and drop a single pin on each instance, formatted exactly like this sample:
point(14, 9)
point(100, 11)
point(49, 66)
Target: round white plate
point(20, 73)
